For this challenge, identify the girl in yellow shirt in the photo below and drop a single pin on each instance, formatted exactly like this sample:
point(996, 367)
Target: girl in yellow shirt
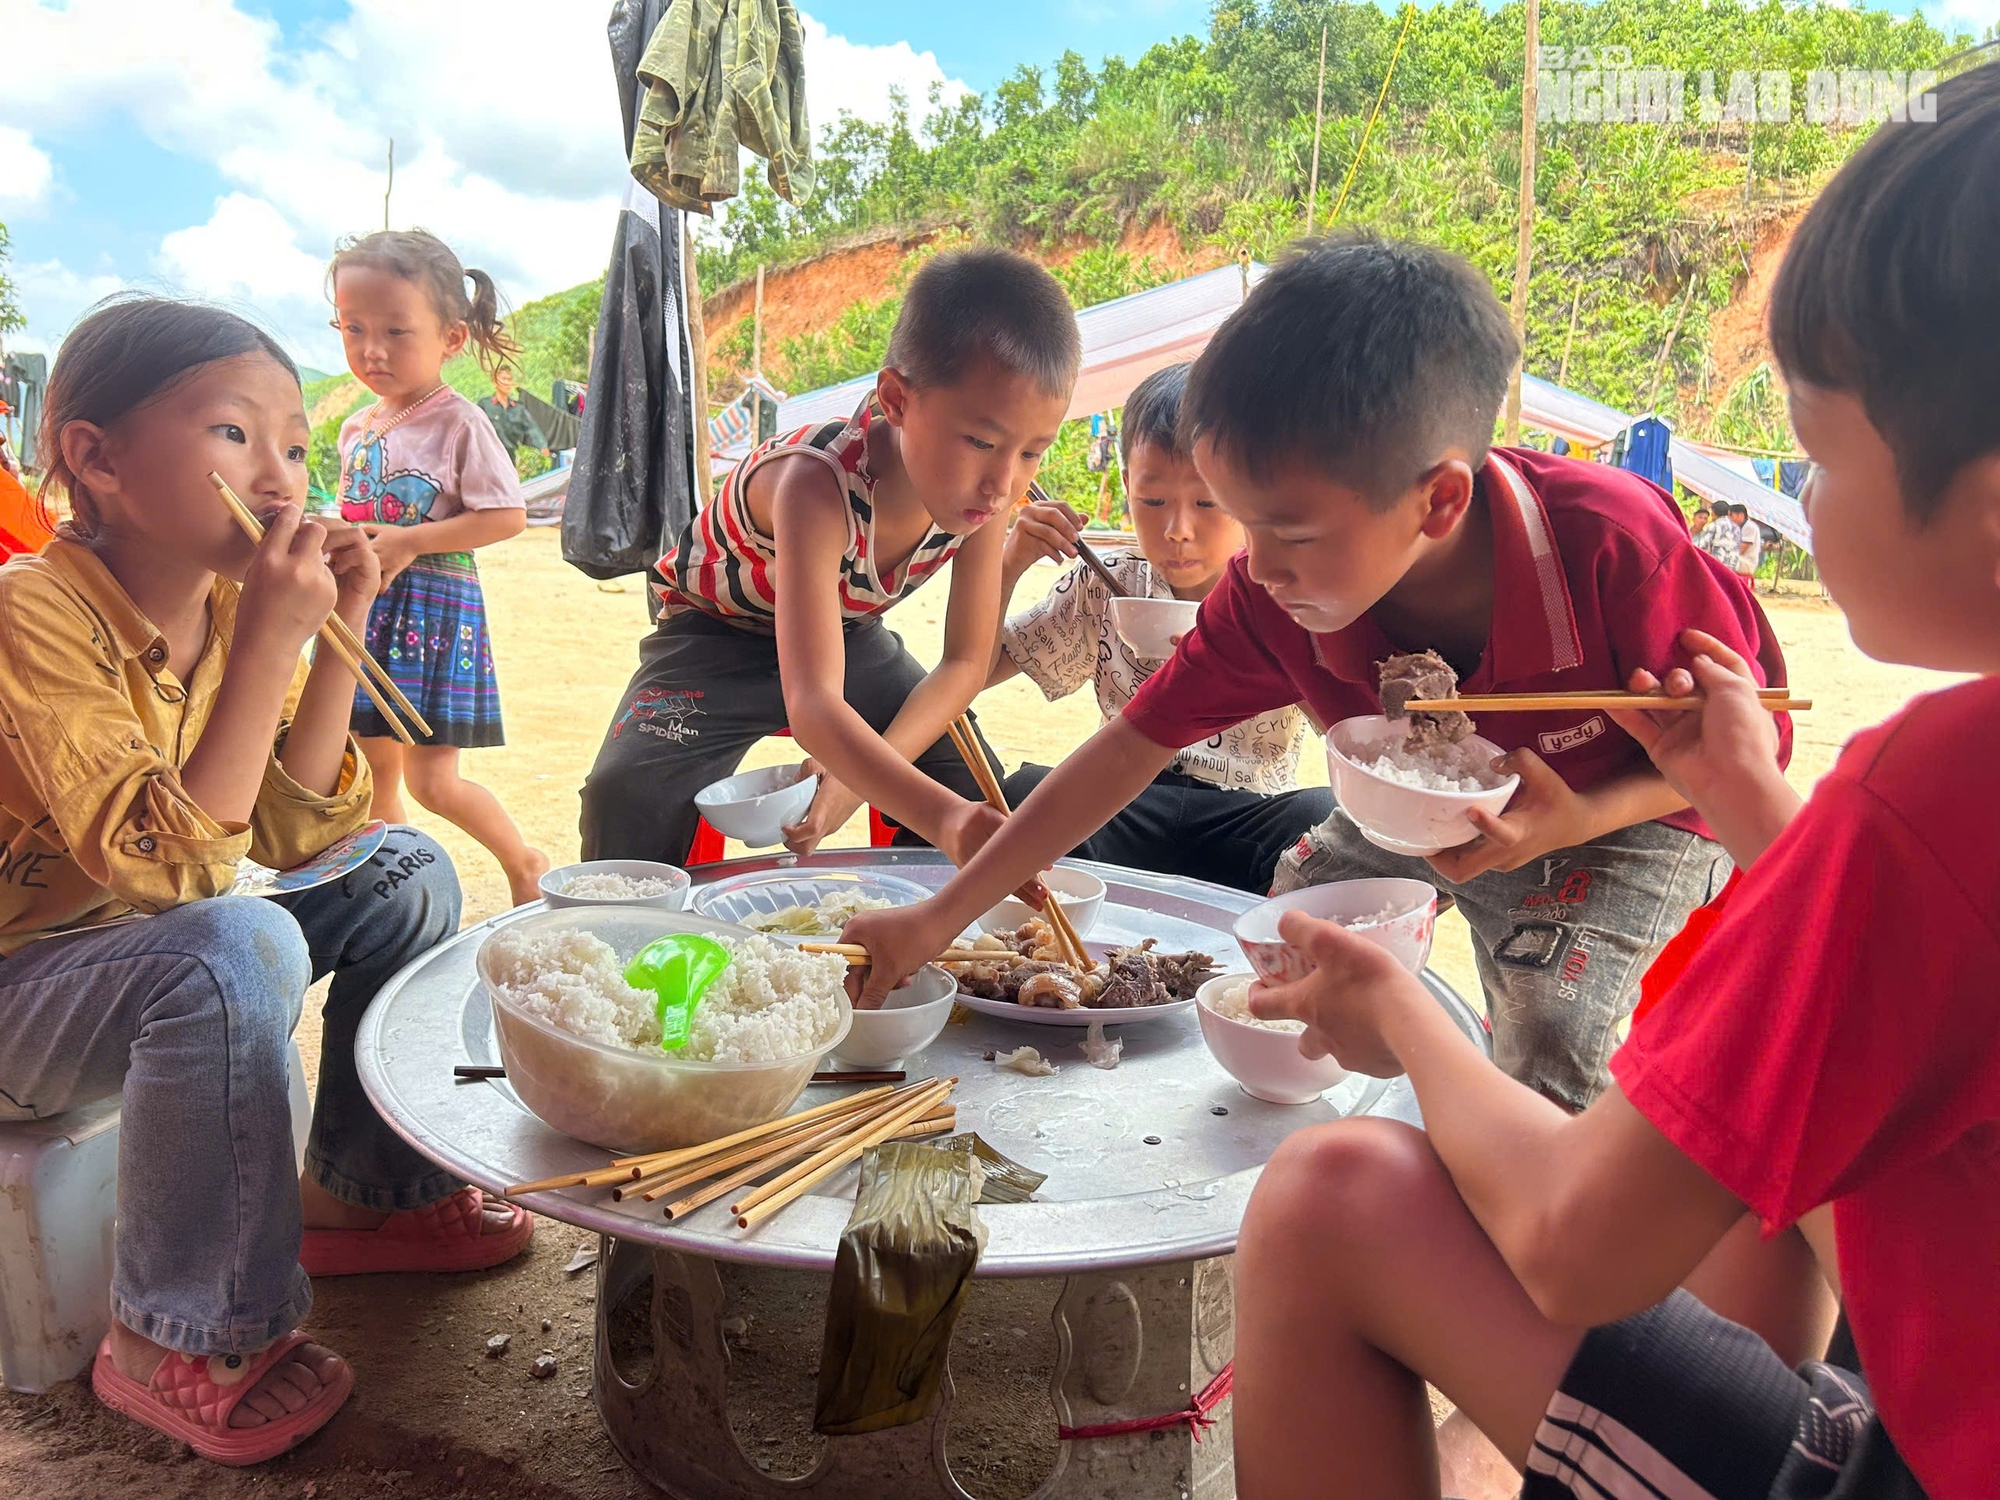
point(157, 725)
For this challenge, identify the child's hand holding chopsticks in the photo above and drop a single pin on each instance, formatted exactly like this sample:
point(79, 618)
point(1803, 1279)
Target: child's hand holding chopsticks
point(1722, 757)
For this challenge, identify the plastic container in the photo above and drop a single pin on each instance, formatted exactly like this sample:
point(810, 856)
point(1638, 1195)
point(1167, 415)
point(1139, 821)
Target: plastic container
point(1399, 915)
point(58, 1203)
point(1081, 894)
point(1267, 1063)
point(1402, 819)
point(627, 1100)
point(911, 1018)
point(553, 885)
point(1148, 626)
point(757, 807)
point(742, 899)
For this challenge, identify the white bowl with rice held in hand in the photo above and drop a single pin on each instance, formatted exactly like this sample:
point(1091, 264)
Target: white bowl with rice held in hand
point(1412, 801)
point(1262, 1056)
point(909, 1020)
point(1399, 916)
point(617, 882)
point(582, 1047)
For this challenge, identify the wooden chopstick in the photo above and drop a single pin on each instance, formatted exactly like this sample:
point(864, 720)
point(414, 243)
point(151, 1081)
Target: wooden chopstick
point(781, 1190)
point(631, 1168)
point(765, 1157)
point(1084, 550)
point(966, 741)
point(1533, 702)
point(932, 1124)
point(338, 636)
point(857, 955)
point(860, 1075)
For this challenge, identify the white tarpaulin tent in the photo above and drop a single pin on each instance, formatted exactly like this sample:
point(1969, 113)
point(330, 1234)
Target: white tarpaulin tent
point(1127, 340)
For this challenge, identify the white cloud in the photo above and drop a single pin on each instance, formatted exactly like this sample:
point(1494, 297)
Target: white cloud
point(846, 76)
point(25, 170)
point(55, 295)
point(504, 113)
point(246, 249)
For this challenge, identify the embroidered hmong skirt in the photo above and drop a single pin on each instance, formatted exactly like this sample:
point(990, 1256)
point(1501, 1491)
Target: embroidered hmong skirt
point(429, 632)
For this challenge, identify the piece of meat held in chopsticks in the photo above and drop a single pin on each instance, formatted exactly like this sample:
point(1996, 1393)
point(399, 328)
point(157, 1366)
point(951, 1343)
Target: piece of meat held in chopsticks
point(1417, 676)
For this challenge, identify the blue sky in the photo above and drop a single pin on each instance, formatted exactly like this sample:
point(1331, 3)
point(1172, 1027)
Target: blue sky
point(220, 147)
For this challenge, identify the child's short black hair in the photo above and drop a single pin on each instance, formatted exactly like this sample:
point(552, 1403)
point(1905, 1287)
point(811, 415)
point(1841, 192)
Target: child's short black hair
point(1365, 356)
point(1153, 414)
point(965, 304)
point(1889, 292)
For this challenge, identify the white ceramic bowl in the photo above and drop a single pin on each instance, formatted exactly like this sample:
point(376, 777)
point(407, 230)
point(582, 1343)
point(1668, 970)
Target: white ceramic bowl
point(1399, 915)
point(627, 1100)
point(1081, 894)
point(1148, 626)
point(1267, 1063)
point(1399, 818)
point(909, 1021)
point(554, 884)
point(756, 807)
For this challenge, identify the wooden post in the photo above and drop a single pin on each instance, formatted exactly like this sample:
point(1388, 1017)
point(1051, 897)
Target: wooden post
point(391, 186)
point(1319, 110)
point(1524, 245)
point(698, 377)
point(757, 329)
point(1562, 374)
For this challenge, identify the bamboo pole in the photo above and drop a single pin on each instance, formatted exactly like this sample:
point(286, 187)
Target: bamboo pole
point(1524, 241)
point(1319, 114)
point(1569, 339)
point(1667, 349)
point(698, 355)
point(757, 330)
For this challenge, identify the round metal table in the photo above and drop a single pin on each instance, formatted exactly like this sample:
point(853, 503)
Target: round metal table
point(1149, 1167)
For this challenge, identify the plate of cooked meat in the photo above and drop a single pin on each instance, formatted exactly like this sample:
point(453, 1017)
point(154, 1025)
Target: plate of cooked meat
point(1027, 980)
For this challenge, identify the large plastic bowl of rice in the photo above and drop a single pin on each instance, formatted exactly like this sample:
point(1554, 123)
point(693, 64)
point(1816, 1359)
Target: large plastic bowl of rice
point(1412, 802)
point(581, 1047)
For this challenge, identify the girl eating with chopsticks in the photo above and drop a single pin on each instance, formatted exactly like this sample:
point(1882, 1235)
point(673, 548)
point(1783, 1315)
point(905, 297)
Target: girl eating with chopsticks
point(776, 592)
point(423, 473)
point(159, 727)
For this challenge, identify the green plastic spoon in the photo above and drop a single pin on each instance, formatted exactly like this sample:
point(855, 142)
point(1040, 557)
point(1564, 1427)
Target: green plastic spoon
point(678, 968)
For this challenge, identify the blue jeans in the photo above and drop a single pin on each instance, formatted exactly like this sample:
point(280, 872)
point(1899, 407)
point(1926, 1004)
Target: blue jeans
point(185, 1016)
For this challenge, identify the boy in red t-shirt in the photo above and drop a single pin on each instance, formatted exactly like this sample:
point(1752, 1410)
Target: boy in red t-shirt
point(1830, 1058)
point(1344, 415)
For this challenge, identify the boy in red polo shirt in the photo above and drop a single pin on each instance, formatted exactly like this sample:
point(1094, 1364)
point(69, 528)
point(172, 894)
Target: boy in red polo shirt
point(1829, 1058)
point(1344, 415)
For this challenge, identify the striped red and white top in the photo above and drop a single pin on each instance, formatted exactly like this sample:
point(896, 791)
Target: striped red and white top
point(723, 563)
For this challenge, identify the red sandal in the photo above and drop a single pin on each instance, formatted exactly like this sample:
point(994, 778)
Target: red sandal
point(441, 1236)
point(190, 1396)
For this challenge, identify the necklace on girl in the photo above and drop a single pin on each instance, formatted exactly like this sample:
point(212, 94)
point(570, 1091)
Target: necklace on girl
point(372, 433)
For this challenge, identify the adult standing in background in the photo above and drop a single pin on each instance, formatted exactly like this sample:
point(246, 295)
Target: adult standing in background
point(510, 416)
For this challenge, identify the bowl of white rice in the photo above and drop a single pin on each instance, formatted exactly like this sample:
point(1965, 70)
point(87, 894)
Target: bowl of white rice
point(1412, 801)
point(617, 882)
point(1396, 915)
point(1262, 1056)
point(582, 1047)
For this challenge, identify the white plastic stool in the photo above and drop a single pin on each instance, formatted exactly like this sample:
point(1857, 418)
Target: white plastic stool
point(58, 1204)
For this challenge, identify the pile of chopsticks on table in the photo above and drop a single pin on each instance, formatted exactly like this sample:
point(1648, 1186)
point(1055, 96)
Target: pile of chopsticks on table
point(818, 1142)
point(337, 636)
point(966, 740)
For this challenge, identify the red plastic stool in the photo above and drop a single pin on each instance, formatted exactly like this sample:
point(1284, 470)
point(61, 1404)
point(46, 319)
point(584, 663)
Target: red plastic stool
point(708, 846)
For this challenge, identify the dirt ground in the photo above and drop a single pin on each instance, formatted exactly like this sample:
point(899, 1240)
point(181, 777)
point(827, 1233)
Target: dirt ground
point(431, 1415)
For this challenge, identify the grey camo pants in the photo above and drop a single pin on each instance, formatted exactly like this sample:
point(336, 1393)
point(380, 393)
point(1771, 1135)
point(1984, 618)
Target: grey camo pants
point(1560, 943)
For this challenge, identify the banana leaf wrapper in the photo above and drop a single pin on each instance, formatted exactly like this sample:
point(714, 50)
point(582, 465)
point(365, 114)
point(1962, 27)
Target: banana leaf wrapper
point(1005, 1180)
point(899, 1278)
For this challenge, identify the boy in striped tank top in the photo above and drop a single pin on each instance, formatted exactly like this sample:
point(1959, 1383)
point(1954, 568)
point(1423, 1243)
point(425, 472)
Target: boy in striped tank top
point(974, 387)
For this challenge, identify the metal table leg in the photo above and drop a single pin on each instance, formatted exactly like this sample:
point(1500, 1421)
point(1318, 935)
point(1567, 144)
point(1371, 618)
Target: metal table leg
point(1131, 1344)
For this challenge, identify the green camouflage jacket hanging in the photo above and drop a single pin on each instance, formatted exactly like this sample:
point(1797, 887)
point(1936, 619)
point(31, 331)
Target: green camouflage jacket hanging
point(719, 74)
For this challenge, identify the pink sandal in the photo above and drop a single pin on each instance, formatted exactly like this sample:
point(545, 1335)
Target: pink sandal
point(190, 1397)
point(441, 1236)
